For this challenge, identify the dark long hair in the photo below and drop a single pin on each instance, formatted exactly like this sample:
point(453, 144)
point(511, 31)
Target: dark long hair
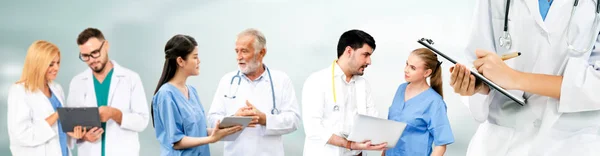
point(177, 46)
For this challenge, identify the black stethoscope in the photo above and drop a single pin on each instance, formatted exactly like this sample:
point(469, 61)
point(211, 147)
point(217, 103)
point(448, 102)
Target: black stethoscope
point(274, 110)
point(506, 41)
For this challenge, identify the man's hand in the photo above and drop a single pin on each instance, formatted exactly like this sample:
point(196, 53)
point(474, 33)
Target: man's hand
point(367, 146)
point(93, 134)
point(262, 117)
point(247, 111)
point(106, 113)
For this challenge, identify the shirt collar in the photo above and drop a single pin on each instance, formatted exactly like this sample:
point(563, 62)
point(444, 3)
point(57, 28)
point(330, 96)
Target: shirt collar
point(259, 77)
point(339, 73)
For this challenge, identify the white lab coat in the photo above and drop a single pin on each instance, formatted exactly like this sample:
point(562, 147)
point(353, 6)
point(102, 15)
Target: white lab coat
point(28, 131)
point(261, 140)
point(320, 120)
point(545, 126)
point(126, 93)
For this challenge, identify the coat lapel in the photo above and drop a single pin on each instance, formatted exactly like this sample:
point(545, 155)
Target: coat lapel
point(534, 10)
point(559, 15)
point(44, 101)
point(58, 93)
point(114, 82)
point(89, 96)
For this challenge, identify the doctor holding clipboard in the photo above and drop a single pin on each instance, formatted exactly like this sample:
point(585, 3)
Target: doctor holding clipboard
point(558, 74)
point(32, 120)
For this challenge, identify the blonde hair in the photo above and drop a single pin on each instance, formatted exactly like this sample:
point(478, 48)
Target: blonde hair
point(431, 62)
point(39, 56)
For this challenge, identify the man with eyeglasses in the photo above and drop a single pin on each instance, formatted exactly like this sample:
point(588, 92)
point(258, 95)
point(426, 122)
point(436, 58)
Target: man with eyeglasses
point(116, 91)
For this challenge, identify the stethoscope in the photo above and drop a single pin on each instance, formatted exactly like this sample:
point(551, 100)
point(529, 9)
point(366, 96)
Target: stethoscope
point(336, 107)
point(274, 110)
point(506, 41)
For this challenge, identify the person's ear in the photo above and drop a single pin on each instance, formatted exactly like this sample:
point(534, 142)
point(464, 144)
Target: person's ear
point(180, 61)
point(262, 52)
point(427, 73)
point(106, 46)
point(348, 51)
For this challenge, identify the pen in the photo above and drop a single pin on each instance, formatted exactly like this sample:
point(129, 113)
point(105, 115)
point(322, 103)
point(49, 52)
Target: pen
point(511, 55)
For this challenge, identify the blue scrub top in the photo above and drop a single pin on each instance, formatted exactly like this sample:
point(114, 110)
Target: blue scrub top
point(62, 136)
point(544, 6)
point(175, 116)
point(426, 119)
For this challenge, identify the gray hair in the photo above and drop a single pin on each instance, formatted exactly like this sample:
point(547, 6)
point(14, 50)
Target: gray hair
point(260, 41)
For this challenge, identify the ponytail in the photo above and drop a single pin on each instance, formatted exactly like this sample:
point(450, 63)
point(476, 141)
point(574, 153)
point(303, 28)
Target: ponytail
point(168, 73)
point(436, 80)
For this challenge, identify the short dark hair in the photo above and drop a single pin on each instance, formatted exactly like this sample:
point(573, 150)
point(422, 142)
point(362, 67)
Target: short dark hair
point(355, 39)
point(88, 33)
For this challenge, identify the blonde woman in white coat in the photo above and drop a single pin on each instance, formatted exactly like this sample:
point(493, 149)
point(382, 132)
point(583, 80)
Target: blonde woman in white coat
point(33, 126)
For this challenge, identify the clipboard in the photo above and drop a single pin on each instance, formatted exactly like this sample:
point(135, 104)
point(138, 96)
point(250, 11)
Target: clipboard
point(475, 73)
point(87, 117)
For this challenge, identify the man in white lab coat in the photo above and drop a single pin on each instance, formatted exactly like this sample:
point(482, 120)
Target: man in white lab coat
point(558, 75)
point(263, 93)
point(119, 94)
point(332, 96)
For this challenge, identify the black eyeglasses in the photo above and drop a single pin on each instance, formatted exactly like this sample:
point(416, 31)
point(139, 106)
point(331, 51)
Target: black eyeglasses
point(93, 54)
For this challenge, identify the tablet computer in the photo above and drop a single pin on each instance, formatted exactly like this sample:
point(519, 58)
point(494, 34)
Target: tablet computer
point(234, 121)
point(87, 117)
point(520, 101)
point(377, 130)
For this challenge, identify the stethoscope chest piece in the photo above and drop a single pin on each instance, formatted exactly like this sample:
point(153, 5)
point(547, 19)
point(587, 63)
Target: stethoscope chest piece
point(505, 40)
point(336, 108)
point(275, 111)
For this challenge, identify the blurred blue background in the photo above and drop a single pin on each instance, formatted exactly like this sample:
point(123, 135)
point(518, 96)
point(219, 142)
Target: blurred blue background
point(301, 39)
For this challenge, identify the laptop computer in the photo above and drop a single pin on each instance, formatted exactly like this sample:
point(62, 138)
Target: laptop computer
point(377, 130)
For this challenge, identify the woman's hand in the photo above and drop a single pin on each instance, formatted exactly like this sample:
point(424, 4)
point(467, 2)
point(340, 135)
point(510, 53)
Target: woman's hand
point(93, 135)
point(218, 133)
point(490, 65)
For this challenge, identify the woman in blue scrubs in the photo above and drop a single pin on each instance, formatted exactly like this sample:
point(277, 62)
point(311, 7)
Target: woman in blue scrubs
point(177, 114)
point(422, 108)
